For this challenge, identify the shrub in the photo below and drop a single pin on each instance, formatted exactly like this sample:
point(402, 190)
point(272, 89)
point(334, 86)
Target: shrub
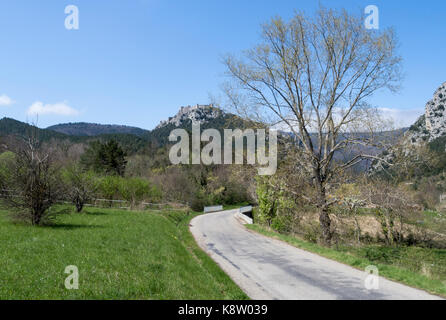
point(282, 224)
point(198, 202)
point(108, 187)
point(312, 232)
point(267, 201)
point(133, 190)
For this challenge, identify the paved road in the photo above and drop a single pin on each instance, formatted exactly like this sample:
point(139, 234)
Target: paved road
point(271, 269)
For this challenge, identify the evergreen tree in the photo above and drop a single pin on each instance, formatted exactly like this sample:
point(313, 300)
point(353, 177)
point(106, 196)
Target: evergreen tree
point(106, 157)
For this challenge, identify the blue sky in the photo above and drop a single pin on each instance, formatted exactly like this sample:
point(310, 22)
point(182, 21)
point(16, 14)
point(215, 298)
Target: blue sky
point(135, 62)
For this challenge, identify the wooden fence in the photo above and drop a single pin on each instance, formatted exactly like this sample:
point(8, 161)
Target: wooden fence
point(118, 203)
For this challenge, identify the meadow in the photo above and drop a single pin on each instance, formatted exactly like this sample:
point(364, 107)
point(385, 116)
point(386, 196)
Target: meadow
point(120, 254)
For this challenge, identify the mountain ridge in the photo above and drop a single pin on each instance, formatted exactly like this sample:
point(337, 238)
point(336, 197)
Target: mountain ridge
point(95, 129)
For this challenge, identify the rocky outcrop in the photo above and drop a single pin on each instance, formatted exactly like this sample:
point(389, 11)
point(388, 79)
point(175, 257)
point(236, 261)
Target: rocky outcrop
point(431, 125)
point(428, 128)
point(199, 114)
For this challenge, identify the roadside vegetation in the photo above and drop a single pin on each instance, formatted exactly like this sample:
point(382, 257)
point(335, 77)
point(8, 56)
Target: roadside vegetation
point(418, 267)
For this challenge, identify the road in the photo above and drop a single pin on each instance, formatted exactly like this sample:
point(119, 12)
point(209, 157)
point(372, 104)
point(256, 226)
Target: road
point(269, 269)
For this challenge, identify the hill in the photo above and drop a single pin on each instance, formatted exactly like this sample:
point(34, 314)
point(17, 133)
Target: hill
point(14, 127)
point(133, 139)
point(95, 129)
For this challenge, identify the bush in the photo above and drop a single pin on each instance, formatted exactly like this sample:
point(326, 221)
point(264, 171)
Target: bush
point(108, 187)
point(132, 190)
point(282, 224)
point(267, 202)
point(135, 190)
point(312, 232)
point(381, 254)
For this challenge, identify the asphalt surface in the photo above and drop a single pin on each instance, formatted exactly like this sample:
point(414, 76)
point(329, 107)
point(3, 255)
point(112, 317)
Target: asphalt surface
point(268, 269)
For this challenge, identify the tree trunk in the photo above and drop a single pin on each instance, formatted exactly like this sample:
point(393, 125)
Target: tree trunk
point(325, 222)
point(358, 229)
point(79, 207)
point(36, 218)
point(324, 217)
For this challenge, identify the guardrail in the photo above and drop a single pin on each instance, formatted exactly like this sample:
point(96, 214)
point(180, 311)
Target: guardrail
point(241, 214)
point(213, 209)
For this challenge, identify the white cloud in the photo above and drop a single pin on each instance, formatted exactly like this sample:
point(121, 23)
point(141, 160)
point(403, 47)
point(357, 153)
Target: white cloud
point(5, 100)
point(60, 108)
point(402, 117)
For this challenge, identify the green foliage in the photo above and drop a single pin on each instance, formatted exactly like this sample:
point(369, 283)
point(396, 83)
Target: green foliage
point(267, 201)
point(10, 126)
point(276, 207)
point(108, 158)
point(282, 223)
point(312, 232)
point(95, 129)
point(133, 190)
point(199, 201)
point(6, 162)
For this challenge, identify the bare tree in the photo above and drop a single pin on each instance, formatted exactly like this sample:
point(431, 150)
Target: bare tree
point(80, 186)
point(394, 207)
point(313, 76)
point(32, 186)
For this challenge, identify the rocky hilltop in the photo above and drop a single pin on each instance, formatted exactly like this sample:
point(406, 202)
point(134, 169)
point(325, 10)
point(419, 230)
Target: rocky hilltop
point(431, 125)
point(198, 113)
point(429, 128)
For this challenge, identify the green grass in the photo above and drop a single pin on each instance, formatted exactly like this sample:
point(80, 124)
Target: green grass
point(119, 254)
point(421, 268)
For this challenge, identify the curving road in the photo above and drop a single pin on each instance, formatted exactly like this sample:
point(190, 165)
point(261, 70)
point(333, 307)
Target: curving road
point(269, 269)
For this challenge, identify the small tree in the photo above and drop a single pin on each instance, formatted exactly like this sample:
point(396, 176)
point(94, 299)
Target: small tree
point(349, 196)
point(394, 207)
point(32, 186)
point(80, 186)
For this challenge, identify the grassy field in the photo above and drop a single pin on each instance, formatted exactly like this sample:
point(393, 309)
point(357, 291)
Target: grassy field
point(417, 267)
point(119, 254)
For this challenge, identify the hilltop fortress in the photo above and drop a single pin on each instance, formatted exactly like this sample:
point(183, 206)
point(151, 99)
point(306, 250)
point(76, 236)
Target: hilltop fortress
point(198, 114)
